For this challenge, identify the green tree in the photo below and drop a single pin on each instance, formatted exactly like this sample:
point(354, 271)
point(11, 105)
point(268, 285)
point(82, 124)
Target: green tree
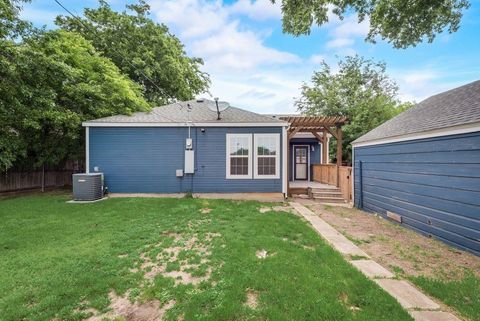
point(10, 25)
point(49, 84)
point(401, 22)
point(139, 47)
point(360, 90)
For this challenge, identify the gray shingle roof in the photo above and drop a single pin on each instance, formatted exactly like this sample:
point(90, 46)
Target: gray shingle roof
point(454, 107)
point(178, 113)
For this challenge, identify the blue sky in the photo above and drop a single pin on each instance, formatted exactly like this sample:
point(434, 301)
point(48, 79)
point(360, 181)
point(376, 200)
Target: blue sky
point(255, 66)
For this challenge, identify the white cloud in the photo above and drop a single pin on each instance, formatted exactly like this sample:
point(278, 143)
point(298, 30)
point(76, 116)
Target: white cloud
point(434, 78)
point(350, 27)
point(339, 42)
point(317, 59)
point(419, 77)
point(257, 9)
point(213, 34)
point(232, 48)
point(190, 18)
point(345, 32)
point(269, 91)
point(244, 70)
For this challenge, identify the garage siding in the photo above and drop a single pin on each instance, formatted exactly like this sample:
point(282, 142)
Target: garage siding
point(145, 160)
point(434, 184)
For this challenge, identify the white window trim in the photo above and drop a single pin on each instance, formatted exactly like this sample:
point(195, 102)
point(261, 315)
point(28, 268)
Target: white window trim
point(249, 175)
point(277, 156)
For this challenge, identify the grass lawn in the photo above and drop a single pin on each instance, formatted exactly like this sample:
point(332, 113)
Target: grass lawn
point(177, 259)
point(462, 294)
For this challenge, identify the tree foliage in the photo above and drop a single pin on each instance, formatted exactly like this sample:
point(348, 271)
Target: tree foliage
point(52, 81)
point(401, 22)
point(49, 84)
point(10, 25)
point(140, 47)
point(360, 90)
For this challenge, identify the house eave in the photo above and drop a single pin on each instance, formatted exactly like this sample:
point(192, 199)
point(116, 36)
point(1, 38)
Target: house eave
point(453, 130)
point(184, 124)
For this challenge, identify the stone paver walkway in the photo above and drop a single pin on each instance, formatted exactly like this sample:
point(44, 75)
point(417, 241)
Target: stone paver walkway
point(418, 305)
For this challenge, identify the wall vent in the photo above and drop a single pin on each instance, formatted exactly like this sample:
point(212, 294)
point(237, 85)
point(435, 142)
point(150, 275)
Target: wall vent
point(394, 216)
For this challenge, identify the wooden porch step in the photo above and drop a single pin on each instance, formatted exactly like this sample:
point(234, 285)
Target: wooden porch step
point(329, 199)
point(328, 189)
point(298, 190)
point(327, 194)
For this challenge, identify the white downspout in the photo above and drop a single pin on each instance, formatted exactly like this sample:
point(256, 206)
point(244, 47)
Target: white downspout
point(87, 149)
point(284, 160)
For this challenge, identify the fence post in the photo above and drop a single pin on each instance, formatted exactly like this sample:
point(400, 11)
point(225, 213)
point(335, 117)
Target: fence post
point(43, 178)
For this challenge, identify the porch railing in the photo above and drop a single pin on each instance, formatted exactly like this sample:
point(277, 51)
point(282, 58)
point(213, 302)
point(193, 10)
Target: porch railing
point(327, 174)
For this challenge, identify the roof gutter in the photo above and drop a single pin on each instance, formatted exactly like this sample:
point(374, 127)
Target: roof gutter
point(183, 124)
point(453, 130)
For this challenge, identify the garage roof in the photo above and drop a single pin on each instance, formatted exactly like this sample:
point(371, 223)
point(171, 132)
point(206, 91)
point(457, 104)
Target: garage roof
point(455, 107)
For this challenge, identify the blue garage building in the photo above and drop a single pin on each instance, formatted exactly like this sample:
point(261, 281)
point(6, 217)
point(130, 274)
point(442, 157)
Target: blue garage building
point(422, 168)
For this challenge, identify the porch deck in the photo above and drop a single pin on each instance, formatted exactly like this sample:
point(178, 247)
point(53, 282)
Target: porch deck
point(305, 187)
point(307, 184)
point(320, 192)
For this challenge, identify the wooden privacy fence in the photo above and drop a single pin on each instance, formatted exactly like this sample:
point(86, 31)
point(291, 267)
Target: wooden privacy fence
point(17, 182)
point(327, 174)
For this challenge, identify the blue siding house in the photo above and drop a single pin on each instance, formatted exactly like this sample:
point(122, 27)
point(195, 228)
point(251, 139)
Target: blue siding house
point(422, 168)
point(183, 147)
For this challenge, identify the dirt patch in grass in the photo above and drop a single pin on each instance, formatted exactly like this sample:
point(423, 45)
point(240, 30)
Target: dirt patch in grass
point(403, 251)
point(122, 307)
point(343, 297)
point(205, 210)
point(252, 299)
point(181, 260)
point(278, 208)
point(261, 254)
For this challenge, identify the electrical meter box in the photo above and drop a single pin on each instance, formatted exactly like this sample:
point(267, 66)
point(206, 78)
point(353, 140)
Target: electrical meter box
point(189, 143)
point(189, 162)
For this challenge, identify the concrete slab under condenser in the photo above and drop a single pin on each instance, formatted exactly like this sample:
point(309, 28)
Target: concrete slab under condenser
point(372, 269)
point(86, 202)
point(407, 295)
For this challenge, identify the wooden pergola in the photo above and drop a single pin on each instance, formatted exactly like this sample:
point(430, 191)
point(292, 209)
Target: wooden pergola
point(315, 125)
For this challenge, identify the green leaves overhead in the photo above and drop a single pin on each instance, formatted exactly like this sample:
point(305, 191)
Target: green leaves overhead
point(143, 50)
point(403, 23)
point(49, 85)
point(109, 63)
point(360, 90)
point(10, 25)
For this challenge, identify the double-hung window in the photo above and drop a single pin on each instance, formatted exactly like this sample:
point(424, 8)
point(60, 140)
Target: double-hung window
point(260, 157)
point(239, 155)
point(266, 155)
